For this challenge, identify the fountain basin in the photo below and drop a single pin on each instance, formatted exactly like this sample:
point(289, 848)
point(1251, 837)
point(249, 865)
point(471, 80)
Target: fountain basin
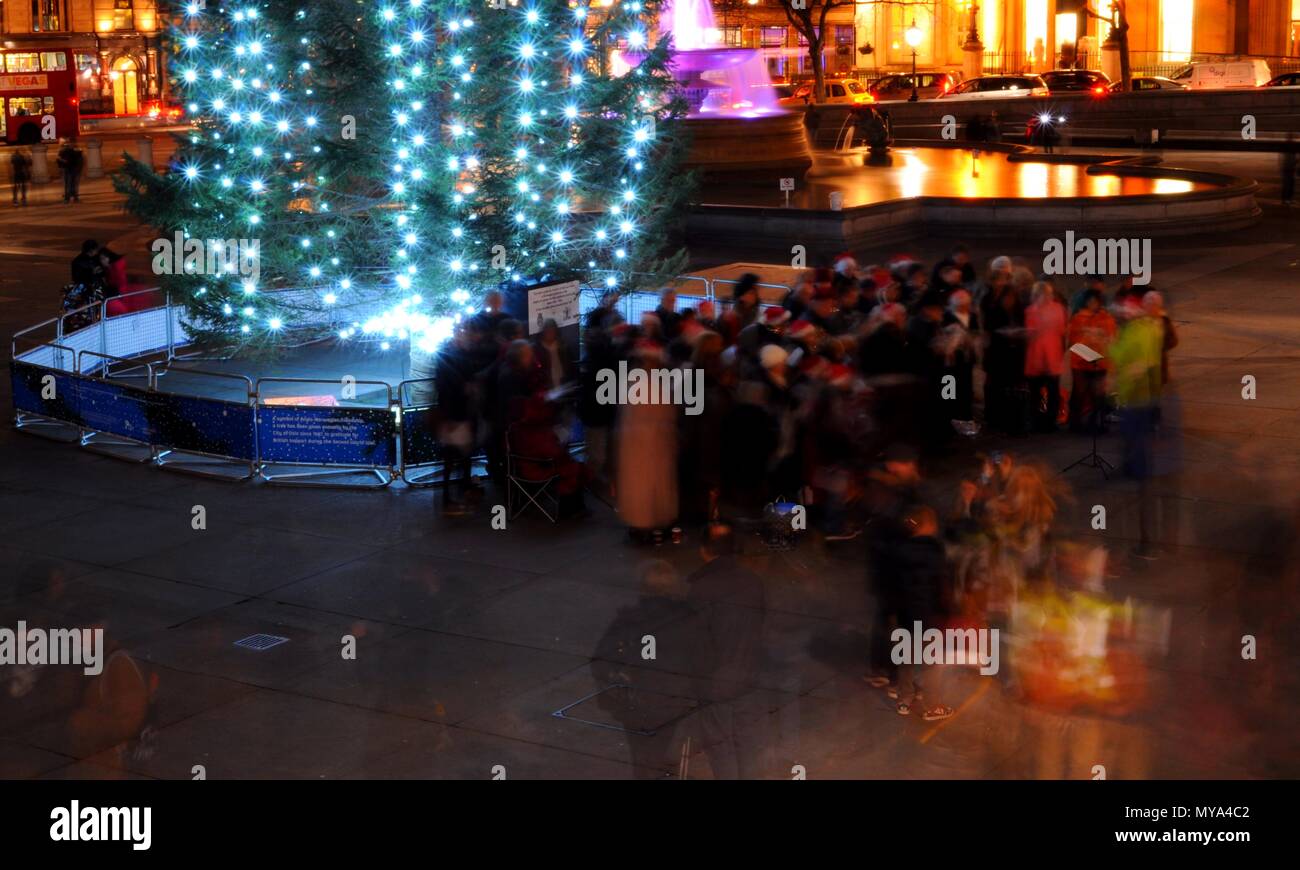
point(748, 151)
point(926, 190)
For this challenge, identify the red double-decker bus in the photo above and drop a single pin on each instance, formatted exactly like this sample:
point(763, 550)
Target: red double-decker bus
point(36, 86)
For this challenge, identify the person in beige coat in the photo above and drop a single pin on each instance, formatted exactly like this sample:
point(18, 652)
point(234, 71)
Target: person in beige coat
point(647, 460)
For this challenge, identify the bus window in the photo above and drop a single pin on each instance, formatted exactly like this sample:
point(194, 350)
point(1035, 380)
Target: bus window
point(31, 105)
point(22, 61)
point(54, 61)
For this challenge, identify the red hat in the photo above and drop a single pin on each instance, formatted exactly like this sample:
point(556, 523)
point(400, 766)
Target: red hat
point(839, 375)
point(648, 349)
point(775, 316)
point(800, 328)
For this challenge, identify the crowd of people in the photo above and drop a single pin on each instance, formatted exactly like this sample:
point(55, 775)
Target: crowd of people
point(802, 395)
point(832, 398)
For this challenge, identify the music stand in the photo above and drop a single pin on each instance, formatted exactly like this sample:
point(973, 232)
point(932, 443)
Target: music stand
point(1092, 459)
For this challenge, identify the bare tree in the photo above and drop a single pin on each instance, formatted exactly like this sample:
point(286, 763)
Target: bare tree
point(808, 18)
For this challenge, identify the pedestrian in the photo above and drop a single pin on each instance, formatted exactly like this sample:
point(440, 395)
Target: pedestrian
point(961, 332)
point(1045, 321)
point(1093, 327)
point(21, 167)
point(646, 459)
point(1135, 360)
point(923, 571)
point(71, 161)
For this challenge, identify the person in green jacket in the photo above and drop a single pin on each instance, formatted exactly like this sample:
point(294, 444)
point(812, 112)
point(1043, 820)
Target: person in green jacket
point(1135, 370)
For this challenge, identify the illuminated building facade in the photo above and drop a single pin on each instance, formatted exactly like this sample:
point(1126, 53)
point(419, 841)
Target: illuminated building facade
point(115, 45)
point(1016, 35)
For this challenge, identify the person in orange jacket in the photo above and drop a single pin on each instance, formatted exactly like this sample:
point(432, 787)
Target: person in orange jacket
point(1092, 325)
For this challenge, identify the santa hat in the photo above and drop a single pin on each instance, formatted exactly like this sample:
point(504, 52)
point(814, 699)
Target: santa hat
point(839, 375)
point(648, 350)
point(801, 329)
point(775, 316)
point(845, 264)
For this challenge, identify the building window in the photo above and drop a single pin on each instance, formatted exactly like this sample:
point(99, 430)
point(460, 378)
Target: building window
point(45, 16)
point(774, 37)
point(1176, 29)
point(54, 61)
point(123, 15)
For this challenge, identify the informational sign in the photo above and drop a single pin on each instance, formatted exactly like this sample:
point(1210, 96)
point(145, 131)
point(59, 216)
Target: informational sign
point(326, 436)
point(24, 82)
point(558, 302)
point(787, 184)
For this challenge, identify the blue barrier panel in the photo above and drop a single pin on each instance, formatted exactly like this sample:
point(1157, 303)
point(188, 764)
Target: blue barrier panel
point(311, 435)
point(419, 440)
point(117, 409)
point(30, 389)
point(201, 425)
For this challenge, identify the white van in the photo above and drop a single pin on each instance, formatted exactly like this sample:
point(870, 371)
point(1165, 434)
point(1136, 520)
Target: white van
point(1206, 75)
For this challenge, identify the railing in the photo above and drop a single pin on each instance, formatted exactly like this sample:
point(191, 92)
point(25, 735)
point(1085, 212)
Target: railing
point(245, 434)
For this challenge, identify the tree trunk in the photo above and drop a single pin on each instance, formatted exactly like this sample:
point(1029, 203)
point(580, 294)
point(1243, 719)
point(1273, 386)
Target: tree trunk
point(819, 71)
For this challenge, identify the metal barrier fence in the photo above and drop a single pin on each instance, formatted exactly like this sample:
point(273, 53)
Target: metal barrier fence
point(98, 374)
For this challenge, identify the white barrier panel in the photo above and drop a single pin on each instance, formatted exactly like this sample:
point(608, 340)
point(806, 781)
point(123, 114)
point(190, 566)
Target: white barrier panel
point(136, 333)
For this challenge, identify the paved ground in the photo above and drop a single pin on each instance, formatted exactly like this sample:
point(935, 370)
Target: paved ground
point(469, 639)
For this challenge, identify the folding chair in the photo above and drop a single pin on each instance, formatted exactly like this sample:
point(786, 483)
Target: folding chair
point(534, 489)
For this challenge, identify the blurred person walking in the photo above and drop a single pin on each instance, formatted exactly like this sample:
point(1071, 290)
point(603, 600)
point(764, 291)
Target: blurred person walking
point(1136, 356)
point(71, 161)
point(20, 166)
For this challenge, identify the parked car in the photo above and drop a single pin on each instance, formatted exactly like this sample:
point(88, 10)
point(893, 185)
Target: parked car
point(998, 87)
point(841, 91)
point(899, 86)
point(1061, 81)
point(1286, 80)
point(1150, 83)
point(1205, 75)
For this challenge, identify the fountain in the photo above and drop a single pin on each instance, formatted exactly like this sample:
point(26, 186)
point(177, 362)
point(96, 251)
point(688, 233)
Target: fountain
point(738, 133)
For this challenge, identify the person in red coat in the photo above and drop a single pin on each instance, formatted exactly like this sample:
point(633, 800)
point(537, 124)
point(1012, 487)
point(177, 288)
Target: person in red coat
point(541, 454)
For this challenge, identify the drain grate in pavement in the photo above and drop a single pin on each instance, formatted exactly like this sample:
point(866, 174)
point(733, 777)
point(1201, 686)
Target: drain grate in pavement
point(622, 708)
point(261, 642)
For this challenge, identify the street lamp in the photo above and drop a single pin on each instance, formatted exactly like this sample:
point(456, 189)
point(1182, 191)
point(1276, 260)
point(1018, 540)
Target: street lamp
point(913, 37)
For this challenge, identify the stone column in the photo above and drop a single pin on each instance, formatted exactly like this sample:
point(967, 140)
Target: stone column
point(145, 145)
point(40, 164)
point(1110, 59)
point(94, 158)
point(152, 67)
point(1049, 62)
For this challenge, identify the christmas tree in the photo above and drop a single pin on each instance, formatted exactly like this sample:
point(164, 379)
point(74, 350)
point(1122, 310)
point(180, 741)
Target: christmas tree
point(394, 159)
point(521, 153)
